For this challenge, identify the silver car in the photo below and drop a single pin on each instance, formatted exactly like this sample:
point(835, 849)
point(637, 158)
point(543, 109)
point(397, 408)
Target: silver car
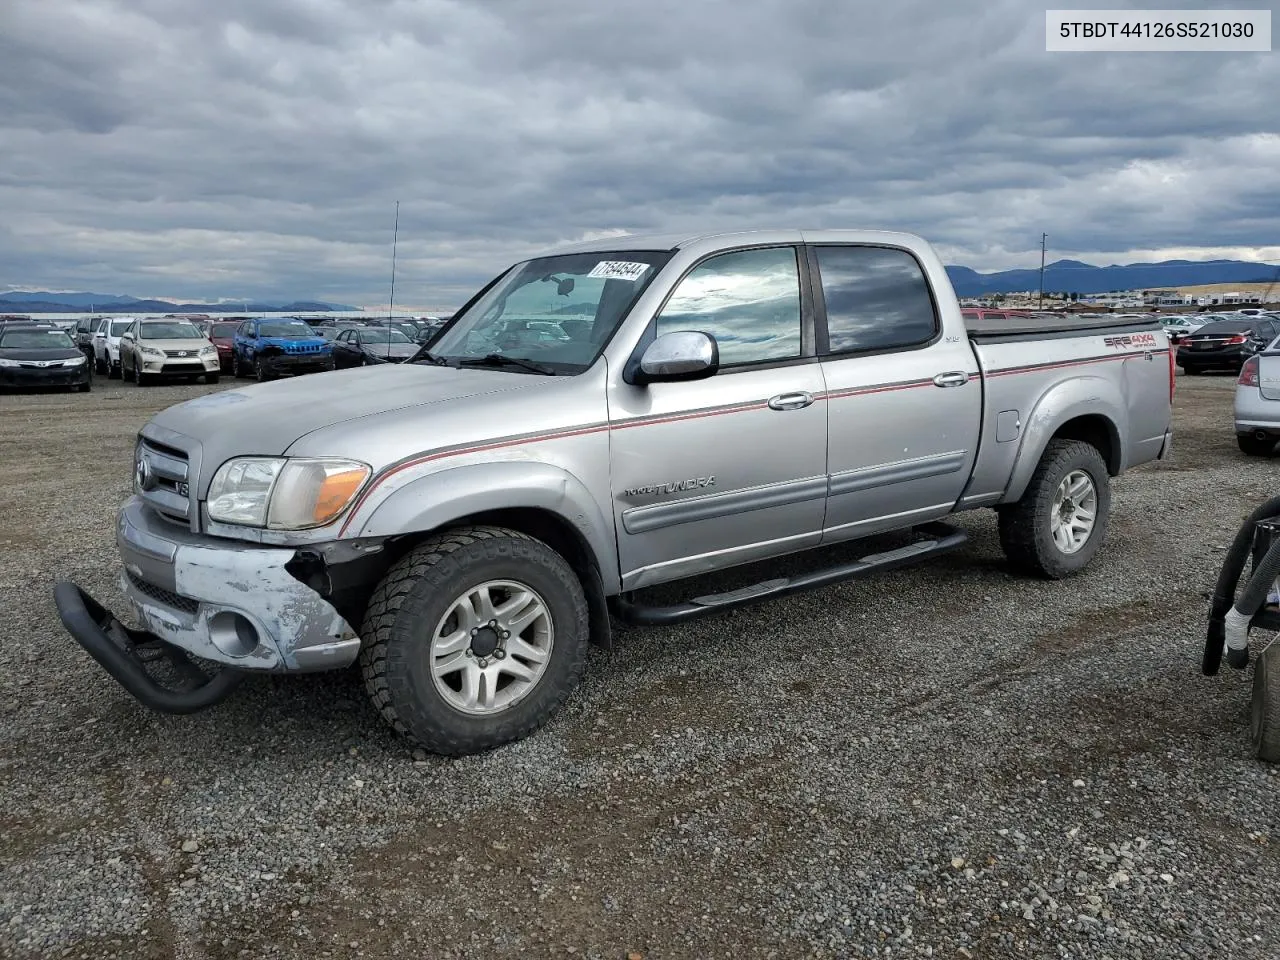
point(1257, 406)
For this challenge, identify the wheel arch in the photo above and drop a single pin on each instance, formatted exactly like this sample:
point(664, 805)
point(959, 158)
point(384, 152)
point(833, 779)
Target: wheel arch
point(1089, 409)
point(541, 500)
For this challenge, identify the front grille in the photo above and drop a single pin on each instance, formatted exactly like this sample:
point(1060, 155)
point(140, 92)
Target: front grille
point(161, 595)
point(182, 353)
point(306, 347)
point(169, 493)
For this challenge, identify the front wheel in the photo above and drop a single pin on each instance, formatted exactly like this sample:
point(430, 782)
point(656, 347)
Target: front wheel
point(1061, 520)
point(474, 639)
point(212, 378)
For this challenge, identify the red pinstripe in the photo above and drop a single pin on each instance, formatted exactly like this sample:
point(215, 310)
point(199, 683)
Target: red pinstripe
point(699, 415)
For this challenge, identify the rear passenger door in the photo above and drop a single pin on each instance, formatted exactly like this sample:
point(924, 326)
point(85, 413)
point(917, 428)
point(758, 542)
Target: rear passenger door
point(904, 403)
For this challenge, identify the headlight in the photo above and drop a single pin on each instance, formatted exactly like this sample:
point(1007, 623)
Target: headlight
point(209, 351)
point(284, 493)
point(150, 352)
point(73, 362)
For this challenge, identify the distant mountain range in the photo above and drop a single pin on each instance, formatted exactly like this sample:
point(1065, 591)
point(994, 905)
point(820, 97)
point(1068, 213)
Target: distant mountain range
point(1069, 276)
point(1072, 276)
point(42, 301)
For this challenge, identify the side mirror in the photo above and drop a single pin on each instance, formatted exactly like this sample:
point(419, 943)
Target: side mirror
point(683, 355)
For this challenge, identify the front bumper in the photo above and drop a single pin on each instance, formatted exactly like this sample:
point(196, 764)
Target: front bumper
point(44, 376)
point(180, 366)
point(296, 362)
point(223, 600)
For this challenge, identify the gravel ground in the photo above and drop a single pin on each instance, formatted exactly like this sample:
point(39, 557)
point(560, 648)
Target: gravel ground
point(945, 762)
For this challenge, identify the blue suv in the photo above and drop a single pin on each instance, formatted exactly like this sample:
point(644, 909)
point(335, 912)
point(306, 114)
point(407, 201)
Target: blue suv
point(266, 347)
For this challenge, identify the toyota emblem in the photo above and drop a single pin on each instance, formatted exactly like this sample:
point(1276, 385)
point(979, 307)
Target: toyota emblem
point(143, 474)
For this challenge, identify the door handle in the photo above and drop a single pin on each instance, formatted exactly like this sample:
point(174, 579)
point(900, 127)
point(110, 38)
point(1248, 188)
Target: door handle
point(957, 378)
point(790, 401)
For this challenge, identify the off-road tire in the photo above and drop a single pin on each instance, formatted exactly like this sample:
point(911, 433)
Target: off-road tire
point(1025, 532)
point(1264, 710)
point(415, 594)
point(1254, 447)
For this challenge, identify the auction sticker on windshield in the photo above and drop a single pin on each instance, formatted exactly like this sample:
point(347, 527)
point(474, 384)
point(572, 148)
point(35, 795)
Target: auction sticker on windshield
point(618, 270)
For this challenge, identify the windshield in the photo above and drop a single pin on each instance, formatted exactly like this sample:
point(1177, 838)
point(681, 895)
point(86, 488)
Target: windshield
point(556, 311)
point(170, 331)
point(34, 340)
point(223, 330)
point(383, 336)
point(286, 329)
point(120, 326)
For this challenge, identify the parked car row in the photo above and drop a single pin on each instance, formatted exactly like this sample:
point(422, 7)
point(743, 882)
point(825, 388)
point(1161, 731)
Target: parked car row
point(1227, 343)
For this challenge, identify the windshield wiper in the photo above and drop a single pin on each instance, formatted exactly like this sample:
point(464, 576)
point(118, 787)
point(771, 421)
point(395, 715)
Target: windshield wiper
point(424, 354)
point(501, 360)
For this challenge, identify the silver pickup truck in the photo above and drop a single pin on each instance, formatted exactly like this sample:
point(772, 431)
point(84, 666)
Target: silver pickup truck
point(619, 414)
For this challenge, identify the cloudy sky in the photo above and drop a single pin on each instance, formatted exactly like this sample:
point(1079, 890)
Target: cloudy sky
point(256, 148)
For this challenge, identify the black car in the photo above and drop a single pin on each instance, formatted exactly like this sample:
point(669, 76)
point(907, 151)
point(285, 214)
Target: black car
point(40, 355)
point(1225, 344)
point(369, 345)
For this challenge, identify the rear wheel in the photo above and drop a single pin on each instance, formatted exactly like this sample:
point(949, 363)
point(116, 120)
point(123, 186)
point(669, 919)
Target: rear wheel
point(1061, 520)
point(1255, 446)
point(474, 639)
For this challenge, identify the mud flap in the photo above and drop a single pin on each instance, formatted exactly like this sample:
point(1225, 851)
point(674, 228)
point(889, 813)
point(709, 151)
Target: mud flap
point(124, 653)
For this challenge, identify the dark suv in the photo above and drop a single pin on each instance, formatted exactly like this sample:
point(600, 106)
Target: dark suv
point(1225, 344)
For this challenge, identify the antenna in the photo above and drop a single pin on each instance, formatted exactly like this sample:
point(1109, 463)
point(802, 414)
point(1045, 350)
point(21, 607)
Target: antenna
point(395, 239)
point(1043, 238)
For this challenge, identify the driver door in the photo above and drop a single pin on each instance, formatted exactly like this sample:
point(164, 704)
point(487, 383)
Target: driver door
point(715, 472)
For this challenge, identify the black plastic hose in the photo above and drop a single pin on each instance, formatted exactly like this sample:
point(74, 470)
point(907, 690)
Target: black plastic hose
point(1224, 592)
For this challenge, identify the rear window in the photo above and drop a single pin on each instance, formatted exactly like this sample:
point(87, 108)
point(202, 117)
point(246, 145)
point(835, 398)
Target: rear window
point(1225, 326)
point(118, 327)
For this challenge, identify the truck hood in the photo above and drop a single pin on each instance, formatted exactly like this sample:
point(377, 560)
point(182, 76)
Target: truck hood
point(266, 418)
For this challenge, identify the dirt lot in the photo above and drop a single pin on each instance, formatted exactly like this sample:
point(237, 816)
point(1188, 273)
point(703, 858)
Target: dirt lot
point(946, 762)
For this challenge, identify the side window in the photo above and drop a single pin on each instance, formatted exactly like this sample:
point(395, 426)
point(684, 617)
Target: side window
point(877, 299)
point(748, 300)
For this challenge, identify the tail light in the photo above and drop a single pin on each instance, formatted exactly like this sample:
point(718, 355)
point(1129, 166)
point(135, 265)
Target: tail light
point(1238, 338)
point(1249, 373)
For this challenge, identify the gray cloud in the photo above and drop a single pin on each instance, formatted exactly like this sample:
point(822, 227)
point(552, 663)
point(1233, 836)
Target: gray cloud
point(256, 147)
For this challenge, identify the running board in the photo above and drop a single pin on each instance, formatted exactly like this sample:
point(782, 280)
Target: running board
point(942, 538)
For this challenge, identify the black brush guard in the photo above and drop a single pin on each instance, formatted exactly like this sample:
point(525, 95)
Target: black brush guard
point(124, 653)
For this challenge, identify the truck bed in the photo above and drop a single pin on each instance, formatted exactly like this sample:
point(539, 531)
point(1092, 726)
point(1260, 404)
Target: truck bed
point(994, 329)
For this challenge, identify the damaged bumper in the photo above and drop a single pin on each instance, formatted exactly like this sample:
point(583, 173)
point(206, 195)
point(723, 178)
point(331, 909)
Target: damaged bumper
point(233, 603)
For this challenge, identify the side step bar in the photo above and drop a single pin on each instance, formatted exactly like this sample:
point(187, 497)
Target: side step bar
point(124, 653)
point(942, 538)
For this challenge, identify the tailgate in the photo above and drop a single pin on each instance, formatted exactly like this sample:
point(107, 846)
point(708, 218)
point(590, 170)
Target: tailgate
point(1269, 375)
